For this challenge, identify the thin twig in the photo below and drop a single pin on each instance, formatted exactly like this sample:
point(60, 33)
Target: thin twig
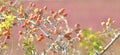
point(117, 35)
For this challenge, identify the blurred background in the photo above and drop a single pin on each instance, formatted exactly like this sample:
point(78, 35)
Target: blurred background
point(88, 13)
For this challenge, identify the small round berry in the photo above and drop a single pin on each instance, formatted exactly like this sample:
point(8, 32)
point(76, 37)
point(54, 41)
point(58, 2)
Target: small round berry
point(55, 15)
point(24, 25)
point(61, 11)
point(65, 14)
point(6, 33)
point(35, 29)
point(11, 2)
point(52, 12)
point(56, 31)
point(77, 25)
point(103, 24)
point(41, 37)
point(30, 4)
point(27, 22)
point(45, 8)
point(38, 22)
point(35, 17)
point(30, 31)
point(39, 17)
point(20, 32)
point(49, 18)
point(8, 36)
point(110, 20)
point(40, 11)
point(33, 5)
point(2, 8)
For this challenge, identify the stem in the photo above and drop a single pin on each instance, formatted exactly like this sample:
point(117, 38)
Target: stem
point(110, 44)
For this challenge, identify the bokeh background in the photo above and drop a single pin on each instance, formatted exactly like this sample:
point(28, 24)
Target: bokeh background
point(88, 13)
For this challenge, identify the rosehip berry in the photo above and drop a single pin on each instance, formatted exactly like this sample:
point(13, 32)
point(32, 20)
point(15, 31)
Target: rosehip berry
point(40, 11)
point(39, 17)
point(77, 25)
point(41, 37)
point(109, 20)
point(24, 25)
point(38, 22)
point(65, 14)
point(45, 8)
point(20, 32)
point(31, 16)
point(6, 33)
point(55, 15)
point(67, 35)
point(35, 29)
point(30, 4)
point(56, 31)
point(33, 5)
point(30, 31)
point(33, 26)
point(69, 38)
point(35, 17)
point(107, 23)
point(27, 22)
point(11, 2)
point(61, 11)
point(52, 12)
point(49, 18)
point(8, 36)
point(103, 24)
point(2, 8)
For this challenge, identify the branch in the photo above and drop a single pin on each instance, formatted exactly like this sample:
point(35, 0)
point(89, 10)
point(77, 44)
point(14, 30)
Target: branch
point(117, 35)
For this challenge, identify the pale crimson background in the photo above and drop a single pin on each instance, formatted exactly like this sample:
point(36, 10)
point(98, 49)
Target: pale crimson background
point(88, 13)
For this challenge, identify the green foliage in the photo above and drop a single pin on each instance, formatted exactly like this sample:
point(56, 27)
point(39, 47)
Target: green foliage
point(92, 40)
point(8, 21)
point(29, 47)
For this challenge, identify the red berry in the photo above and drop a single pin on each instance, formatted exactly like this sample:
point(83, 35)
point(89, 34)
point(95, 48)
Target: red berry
point(34, 29)
point(55, 15)
point(31, 16)
point(11, 2)
point(45, 7)
point(6, 33)
point(61, 11)
point(52, 12)
point(40, 11)
point(49, 18)
point(27, 22)
point(23, 26)
point(38, 22)
point(69, 38)
point(33, 26)
point(20, 32)
point(41, 37)
point(33, 4)
point(39, 17)
point(30, 4)
point(30, 31)
point(8, 36)
point(35, 17)
point(65, 14)
point(2, 8)
point(67, 35)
